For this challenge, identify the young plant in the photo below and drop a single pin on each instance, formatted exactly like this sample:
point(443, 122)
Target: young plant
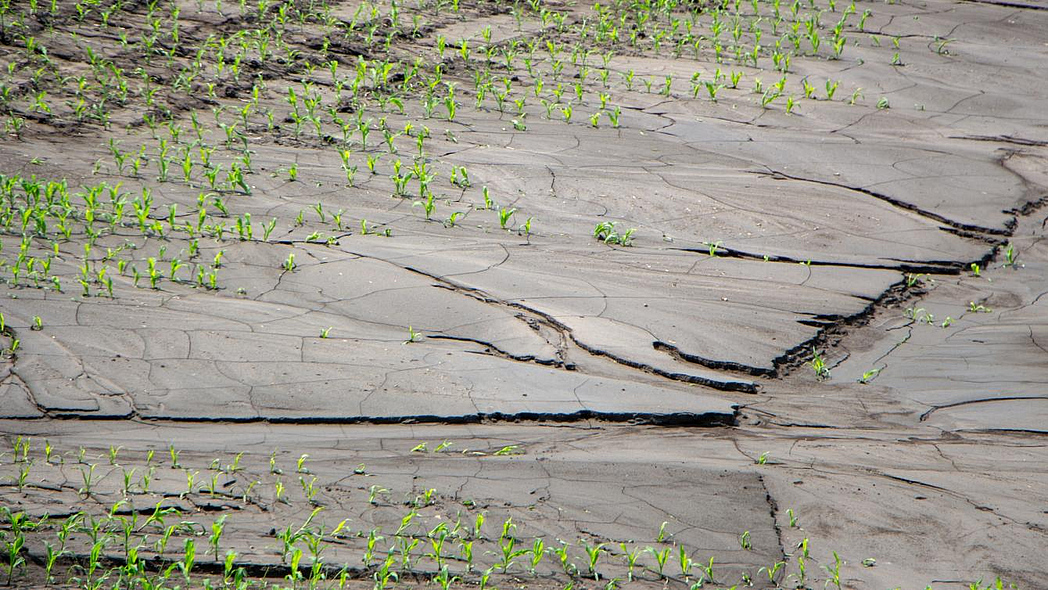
point(605, 231)
point(834, 571)
point(593, 553)
point(818, 364)
point(428, 205)
point(505, 213)
point(1010, 256)
point(868, 376)
point(631, 559)
point(661, 557)
point(744, 541)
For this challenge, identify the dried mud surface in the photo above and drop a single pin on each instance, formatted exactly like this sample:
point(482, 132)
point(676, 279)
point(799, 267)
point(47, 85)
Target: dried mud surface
point(590, 391)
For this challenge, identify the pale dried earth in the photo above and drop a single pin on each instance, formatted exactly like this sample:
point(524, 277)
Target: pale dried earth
point(667, 381)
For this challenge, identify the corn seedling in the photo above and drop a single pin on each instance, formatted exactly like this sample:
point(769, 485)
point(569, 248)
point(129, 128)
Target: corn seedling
point(217, 528)
point(661, 535)
point(428, 205)
point(818, 364)
point(685, 562)
point(1010, 256)
point(661, 557)
point(631, 560)
point(593, 553)
point(834, 571)
point(87, 476)
point(772, 570)
point(413, 336)
point(869, 375)
point(605, 231)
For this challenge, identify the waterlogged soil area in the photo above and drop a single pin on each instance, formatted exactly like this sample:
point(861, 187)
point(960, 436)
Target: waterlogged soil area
point(437, 294)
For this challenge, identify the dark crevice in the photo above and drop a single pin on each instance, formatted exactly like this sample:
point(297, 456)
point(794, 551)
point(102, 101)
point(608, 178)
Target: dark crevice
point(929, 412)
point(1001, 138)
point(712, 418)
point(1006, 4)
point(900, 204)
point(944, 267)
point(496, 351)
point(723, 385)
point(712, 363)
point(833, 334)
point(773, 510)
point(567, 333)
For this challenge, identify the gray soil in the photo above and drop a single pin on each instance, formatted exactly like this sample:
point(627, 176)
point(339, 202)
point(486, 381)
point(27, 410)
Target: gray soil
point(591, 391)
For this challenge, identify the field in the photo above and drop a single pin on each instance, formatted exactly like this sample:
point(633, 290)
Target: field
point(447, 294)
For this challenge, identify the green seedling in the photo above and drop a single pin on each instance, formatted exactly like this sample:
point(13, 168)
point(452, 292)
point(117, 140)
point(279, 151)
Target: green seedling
point(508, 450)
point(834, 571)
point(87, 476)
point(606, 232)
point(505, 213)
point(869, 375)
point(14, 556)
point(1010, 256)
point(217, 528)
point(661, 557)
point(685, 562)
point(818, 364)
point(428, 205)
point(593, 554)
point(373, 493)
point(661, 536)
point(631, 559)
point(772, 570)
point(525, 228)
point(413, 336)
point(538, 551)
point(977, 307)
point(489, 204)
point(188, 559)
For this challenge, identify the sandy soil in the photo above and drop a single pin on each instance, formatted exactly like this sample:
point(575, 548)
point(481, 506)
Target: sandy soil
point(536, 295)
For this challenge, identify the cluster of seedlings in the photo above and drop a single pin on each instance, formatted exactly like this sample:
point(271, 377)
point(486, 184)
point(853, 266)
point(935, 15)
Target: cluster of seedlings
point(356, 86)
point(191, 101)
point(134, 528)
